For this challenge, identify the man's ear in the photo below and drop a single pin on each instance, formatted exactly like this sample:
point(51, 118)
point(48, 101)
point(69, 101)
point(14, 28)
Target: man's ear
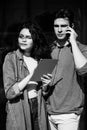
point(72, 26)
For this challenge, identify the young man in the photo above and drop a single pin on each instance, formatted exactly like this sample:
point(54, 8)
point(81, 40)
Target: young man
point(66, 98)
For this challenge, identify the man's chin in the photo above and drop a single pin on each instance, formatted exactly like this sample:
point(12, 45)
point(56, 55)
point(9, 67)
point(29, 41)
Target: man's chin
point(61, 39)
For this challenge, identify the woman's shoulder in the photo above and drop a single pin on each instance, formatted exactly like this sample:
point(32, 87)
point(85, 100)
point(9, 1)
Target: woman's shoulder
point(10, 55)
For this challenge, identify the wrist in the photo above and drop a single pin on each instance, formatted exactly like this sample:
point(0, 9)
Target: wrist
point(73, 42)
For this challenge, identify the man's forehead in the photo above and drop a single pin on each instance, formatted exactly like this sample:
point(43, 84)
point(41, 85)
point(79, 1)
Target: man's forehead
point(61, 21)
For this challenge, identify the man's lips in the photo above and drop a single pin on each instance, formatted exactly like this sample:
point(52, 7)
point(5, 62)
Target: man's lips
point(60, 35)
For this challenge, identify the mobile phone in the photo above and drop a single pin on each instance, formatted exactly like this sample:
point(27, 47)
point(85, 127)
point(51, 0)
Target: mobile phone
point(68, 35)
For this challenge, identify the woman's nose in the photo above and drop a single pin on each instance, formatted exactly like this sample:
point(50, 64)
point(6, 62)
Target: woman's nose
point(24, 39)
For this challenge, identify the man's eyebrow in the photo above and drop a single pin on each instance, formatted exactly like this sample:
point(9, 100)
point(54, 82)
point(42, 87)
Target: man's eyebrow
point(56, 25)
point(63, 25)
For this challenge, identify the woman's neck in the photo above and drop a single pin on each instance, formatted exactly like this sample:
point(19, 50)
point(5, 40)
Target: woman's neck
point(27, 54)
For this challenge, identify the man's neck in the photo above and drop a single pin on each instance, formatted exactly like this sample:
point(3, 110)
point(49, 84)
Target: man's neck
point(62, 45)
point(62, 42)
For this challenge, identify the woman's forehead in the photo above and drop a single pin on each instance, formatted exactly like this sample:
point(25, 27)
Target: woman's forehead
point(25, 31)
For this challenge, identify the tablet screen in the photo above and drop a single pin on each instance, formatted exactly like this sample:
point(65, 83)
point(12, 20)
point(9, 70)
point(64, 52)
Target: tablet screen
point(45, 66)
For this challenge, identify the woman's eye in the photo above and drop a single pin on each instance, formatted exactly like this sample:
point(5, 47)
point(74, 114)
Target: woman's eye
point(25, 37)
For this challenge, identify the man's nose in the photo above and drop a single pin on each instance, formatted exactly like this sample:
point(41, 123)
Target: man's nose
point(59, 29)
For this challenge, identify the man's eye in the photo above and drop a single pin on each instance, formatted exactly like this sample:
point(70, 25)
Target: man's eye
point(20, 36)
point(56, 25)
point(64, 25)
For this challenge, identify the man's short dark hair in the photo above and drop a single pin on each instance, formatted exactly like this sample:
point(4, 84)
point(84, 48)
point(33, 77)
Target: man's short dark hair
point(65, 13)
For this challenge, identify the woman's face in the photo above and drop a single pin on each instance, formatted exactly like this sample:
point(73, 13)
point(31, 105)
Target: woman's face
point(25, 40)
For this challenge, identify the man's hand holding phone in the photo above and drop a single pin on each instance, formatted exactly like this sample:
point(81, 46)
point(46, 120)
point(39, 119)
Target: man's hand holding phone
point(72, 34)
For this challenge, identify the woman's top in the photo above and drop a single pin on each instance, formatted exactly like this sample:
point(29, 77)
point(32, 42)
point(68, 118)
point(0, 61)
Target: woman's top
point(17, 106)
point(31, 64)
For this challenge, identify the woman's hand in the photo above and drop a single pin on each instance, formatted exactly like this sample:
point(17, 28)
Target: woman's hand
point(46, 79)
point(33, 82)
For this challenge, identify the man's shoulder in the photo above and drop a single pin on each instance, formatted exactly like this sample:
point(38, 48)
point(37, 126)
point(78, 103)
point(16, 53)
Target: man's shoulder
point(81, 46)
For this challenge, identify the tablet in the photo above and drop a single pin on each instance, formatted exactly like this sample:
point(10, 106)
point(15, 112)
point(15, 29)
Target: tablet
point(45, 66)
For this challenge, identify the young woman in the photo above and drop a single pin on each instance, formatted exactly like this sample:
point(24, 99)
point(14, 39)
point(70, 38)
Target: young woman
point(22, 95)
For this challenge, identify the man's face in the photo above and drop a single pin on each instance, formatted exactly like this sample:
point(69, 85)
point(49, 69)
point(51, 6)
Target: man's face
point(60, 27)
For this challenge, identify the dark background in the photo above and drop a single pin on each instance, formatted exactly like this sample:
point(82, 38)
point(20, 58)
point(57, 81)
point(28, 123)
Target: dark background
point(13, 12)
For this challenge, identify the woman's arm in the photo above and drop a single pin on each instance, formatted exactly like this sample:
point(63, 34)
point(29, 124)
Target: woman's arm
point(13, 88)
